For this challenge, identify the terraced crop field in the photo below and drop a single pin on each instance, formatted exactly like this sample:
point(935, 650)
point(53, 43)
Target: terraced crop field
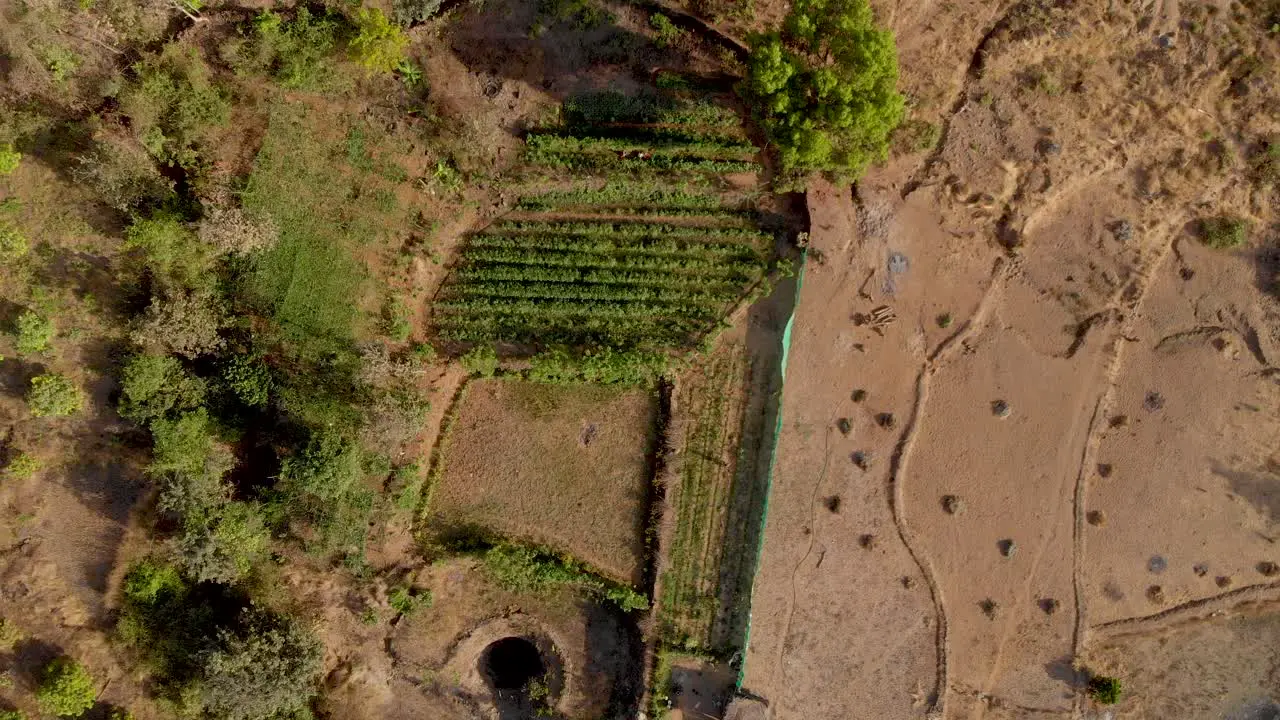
point(646, 240)
point(692, 582)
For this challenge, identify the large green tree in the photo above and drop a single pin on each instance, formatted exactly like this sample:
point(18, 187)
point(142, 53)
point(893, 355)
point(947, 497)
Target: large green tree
point(825, 87)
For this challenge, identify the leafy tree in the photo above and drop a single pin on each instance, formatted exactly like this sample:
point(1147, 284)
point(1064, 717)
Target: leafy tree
point(54, 396)
point(174, 104)
point(35, 332)
point(9, 158)
point(379, 45)
point(412, 12)
point(224, 547)
point(824, 88)
point(264, 668)
point(66, 688)
point(322, 485)
point(232, 231)
point(183, 323)
point(153, 386)
point(120, 172)
point(188, 456)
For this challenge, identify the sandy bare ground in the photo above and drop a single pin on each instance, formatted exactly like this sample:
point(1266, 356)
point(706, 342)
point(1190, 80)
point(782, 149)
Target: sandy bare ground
point(1133, 477)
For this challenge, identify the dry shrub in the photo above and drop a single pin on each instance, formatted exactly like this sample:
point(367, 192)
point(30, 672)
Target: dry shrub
point(232, 231)
point(181, 323)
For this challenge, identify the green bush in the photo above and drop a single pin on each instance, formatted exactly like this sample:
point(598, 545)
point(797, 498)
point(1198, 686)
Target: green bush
point(174, 105)
point(34, 333)
point(1105, 690)
point(824, 88)
point(249, 378)
point(12, 715)
point(173, 253)
point(667, 33)
point(54, 396)
point(66, 689)
point(295, 52)
point(603, 366)
point(525, 569)
point(412, 12)
point(1224, 232)
point(13, 244)
point(407, 601)
point(22, 466)
point(10, 635)
point(481, 360)
point(155, 386)
point(379, 45)
point(9, 158)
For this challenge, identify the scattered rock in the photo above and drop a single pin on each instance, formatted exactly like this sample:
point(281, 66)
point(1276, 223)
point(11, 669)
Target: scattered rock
point(1008, 547)
point(867, 542)
point(1154, 401)
point(861, 459)
point(908, 582)
point(1165, 41)
point(832, 503)
point(859, 395)
point(1048, 605)
point(1049, 148)
point(952, 504)
point(1119, 421)
point(1001, 409)
point(1223, 581)
point(1200, 569)
point(1268, 568)
point(1104, 470)
point(1157, 564)
point(1186, 273)
point(844, 426)
point(989, 608)
point(944, 320)
point(1097, 518)
point(1122, 230)
point(1155, 594)
point(886, 421)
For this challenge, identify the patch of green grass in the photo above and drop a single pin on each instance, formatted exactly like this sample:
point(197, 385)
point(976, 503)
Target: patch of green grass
point(1224, 232)
point(1105, 690)
point(310, 283)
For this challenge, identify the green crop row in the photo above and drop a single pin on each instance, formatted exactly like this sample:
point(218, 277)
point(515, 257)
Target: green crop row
point(713, 218)
point(717, 267)
point(621, 247)
point(628, 193)
point(614, 107)
point(624, 229)
point(567, 275)
point(558, 143)
point(568, 331)
point(568, 291)
point(655, 162)
point(593, 308)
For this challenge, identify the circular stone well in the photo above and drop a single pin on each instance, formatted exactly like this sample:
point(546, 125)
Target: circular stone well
point(512, 663)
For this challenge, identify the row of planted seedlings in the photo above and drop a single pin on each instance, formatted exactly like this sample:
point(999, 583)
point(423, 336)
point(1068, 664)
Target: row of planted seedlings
point(713, 403)
point(574, 267)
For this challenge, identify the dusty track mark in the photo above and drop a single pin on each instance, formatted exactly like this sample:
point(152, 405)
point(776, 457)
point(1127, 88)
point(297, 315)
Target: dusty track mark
point(780, 661)
point(898, 465)
point(1248, 597)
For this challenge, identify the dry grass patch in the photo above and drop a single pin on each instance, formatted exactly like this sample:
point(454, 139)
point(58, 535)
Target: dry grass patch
point(563, 466)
